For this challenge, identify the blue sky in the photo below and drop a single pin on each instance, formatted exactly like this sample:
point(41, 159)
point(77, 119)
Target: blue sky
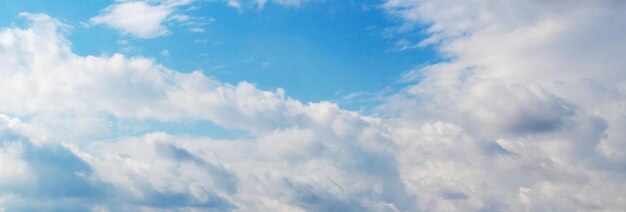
point(322, 51)
point(312, 105)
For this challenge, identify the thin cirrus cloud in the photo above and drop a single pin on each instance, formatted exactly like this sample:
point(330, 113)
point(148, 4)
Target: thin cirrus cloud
point(526, 113)
point(261, 3)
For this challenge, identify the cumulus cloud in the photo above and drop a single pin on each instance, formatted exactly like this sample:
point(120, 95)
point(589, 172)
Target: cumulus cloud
point(48, 79)
point(42, 175)
point(312, 156)
point(533, 88)
point(526, 114)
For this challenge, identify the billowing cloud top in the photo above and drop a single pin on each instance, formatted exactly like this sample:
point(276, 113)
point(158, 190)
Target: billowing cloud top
point(527, 113)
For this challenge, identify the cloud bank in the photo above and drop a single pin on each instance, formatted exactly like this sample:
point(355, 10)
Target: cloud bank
point(526, 114)
point(538, 86)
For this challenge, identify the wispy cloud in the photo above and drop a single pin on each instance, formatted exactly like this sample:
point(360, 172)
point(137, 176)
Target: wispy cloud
point(142, 19)
point(261, 3)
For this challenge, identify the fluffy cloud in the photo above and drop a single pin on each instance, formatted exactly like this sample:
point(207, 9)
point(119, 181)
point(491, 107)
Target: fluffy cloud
point(532, 96)
point(524, 65)
point(141, 19)
point(48, 79)
point(312, 156)
point(42, 175)
point(527, 114)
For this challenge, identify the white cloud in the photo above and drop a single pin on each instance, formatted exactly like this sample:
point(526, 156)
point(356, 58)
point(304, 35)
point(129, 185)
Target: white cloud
point(234, 3)
point(49, 79)
point(165, 53)
point(196, 29)
point(292, 3)
point(299, 157)
point(149, 19)
point(282, 168)
point(526, 115)
point(261, 3)
point(141, 19)
point(138, 18)
point(533, 88)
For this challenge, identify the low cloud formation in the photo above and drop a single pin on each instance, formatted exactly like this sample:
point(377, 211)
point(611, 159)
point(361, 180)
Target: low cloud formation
point(527, 113)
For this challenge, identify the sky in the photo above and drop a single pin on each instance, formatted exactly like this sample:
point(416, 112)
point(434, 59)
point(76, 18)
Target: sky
point(312, 105)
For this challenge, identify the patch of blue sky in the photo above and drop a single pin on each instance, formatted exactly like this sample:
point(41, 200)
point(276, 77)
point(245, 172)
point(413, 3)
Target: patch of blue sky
point(323, 51)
